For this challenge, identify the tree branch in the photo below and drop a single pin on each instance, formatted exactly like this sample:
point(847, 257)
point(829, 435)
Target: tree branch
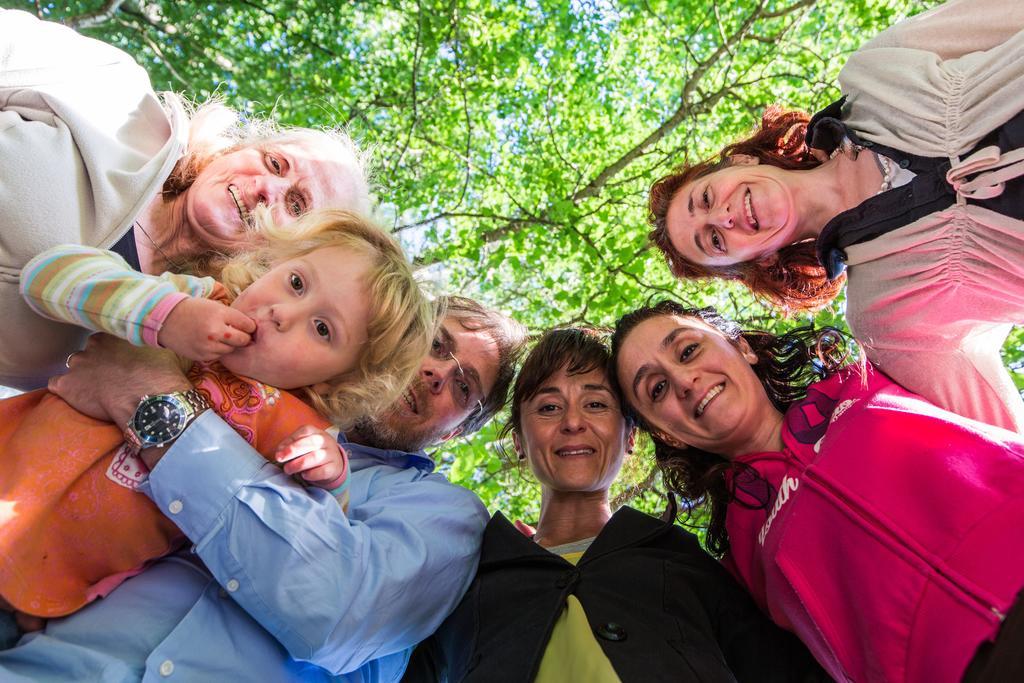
point(167, 63)
point(91, 19)
point(132, 9)
point(788, 10)
point(413, 92)
point(470, 214)
point(687, 108)
point(636, 489)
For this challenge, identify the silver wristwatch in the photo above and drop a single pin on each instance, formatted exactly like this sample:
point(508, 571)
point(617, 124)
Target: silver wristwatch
point(161, 418)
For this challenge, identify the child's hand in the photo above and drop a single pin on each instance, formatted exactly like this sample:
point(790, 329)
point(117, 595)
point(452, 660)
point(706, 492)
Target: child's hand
point(204, 330)
point(314, 455)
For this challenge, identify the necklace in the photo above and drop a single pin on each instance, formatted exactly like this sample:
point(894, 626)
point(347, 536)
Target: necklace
point(174, 266)
point(846, 147)
point(885, 167)
point(884, 163)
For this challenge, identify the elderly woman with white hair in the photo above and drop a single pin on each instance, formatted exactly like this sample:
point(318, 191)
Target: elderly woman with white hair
point(93, 156)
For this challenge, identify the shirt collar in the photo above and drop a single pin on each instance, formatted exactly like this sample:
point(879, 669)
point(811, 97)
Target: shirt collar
point(395, 458)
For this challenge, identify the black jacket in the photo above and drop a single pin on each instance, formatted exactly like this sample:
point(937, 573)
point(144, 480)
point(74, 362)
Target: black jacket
point(926, 194)
point(662, 610)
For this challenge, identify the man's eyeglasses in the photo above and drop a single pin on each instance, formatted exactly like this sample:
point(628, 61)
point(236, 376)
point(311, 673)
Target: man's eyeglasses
point(460, 377)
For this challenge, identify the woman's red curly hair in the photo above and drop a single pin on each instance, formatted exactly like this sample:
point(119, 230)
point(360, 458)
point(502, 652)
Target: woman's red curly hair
point(795, 281)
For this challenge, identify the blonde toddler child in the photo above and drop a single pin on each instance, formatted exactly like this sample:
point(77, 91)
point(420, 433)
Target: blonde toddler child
point(324, 324)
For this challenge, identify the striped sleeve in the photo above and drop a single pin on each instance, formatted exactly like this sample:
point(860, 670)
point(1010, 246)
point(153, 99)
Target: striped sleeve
point(99, 291)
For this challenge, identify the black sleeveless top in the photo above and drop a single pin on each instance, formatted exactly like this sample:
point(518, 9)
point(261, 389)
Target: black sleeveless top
point(927, 193)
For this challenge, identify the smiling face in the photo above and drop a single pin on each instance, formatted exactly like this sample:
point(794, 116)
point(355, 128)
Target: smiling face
point(743, 212)
point(573, 434)
point(696, 388)
point(311, 316)
point(289, 178)
point(444, 394)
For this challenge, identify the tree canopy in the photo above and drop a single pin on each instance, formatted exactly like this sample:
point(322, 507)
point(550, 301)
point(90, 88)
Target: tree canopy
point(514, 141)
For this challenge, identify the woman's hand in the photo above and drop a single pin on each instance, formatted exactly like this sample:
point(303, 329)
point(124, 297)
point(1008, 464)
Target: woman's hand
point(204, 330)
point(524, 528)
point(314, 455)
point(29, 622)
point(26, 622)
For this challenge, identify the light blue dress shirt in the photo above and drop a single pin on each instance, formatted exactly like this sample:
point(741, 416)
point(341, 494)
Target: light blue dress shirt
point(296, 584)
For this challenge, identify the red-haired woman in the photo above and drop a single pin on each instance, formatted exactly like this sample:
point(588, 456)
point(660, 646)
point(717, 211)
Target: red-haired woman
point(913, 184)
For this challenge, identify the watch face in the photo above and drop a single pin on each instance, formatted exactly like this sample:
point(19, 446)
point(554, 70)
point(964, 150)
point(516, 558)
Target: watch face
point(158, 420)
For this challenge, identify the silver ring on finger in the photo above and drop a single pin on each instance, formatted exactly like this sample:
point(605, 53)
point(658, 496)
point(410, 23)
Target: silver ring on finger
point(67, 361)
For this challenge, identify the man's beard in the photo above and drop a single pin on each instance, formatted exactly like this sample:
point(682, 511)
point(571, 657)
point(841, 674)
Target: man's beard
point(382, 432)
point(396, 429)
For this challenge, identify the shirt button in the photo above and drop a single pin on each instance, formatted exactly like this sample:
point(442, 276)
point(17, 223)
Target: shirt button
point(167, 668)
point(175, 507)
point(231, 585)
point(611, 631)
point(835, 263)
point(904, 163)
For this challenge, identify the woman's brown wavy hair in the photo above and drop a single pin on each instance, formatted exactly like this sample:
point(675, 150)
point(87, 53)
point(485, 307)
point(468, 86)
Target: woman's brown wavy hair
point(795, 281)
point(786, 365)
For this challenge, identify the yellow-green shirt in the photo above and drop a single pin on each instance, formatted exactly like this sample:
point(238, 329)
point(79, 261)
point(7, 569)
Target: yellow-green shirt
point(573, 654)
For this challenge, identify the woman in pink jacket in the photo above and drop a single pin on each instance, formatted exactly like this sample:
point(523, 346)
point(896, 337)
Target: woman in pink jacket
point(885, 532)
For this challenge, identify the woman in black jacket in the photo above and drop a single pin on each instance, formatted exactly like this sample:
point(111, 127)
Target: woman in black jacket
point(595, 596)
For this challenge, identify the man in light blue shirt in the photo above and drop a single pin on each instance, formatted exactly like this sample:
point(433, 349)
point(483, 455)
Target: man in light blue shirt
point(280, 584)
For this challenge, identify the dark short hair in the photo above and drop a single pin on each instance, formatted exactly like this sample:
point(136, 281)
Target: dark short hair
point(786, 365)
point(577, 350)
point(508, 335)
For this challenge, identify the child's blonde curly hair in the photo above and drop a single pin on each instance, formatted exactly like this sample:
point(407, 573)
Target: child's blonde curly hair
point(402, 321)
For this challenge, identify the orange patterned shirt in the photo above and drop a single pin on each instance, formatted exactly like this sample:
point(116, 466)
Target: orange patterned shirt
point(72, 524)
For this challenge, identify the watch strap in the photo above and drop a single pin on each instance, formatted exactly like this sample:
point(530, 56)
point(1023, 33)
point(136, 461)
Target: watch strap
point(195, 399)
